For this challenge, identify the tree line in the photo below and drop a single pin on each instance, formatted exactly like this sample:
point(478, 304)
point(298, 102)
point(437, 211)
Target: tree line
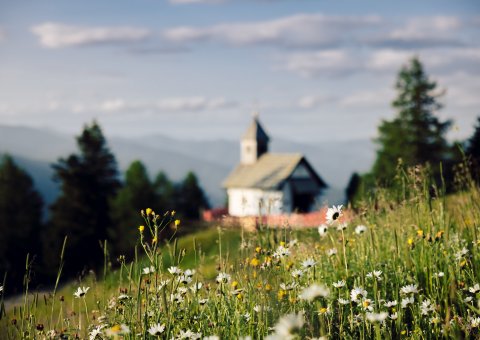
point(94, 205)
point(416, 136)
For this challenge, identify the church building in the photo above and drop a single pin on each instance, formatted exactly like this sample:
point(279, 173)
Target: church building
point(267, 183)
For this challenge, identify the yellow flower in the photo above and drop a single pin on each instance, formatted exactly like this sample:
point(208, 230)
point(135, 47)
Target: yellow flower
point(177, 223)
point(410, 241)
point(240, 296)
point(282, 244)
point(149, 211)
point(323, 310)
point(420, 233)
point(268, 287)
point(173, 212)
point(155, 240)
point(258, 249)
point(281, 294)
point(141, 228)
point(234, 284)
point(254, 262)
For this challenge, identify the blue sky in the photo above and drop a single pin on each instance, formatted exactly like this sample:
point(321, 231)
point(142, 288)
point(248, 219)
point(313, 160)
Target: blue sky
point(196, 69)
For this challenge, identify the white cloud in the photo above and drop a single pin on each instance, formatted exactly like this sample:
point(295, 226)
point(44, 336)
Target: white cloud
point(54, 35)
point(427, 27)
point(314, 101)
point(301, 30)
point(372, 98)
point(174, 104)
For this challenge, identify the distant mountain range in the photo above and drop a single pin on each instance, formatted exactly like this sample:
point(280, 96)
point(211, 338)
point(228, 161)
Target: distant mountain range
point(36, 149)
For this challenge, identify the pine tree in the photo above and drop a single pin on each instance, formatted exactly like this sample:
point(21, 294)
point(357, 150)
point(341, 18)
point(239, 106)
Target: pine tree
point(165, 190)
point(415, 135)
point(88, 182)
point(473, 151)
point(137, 193)
point(20, 221)
point(191, 198)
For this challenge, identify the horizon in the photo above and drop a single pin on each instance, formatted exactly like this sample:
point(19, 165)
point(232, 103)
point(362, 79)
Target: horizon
point(196, 70)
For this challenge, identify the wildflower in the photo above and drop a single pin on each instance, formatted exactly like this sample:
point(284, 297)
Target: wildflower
point(313, 292)
point(420, 233)
point(439, 274)
point(188, 334)
point(322, 230)
point(410, 242)
point(155, 239)
point(148, 270)
point(162, 284)
point(475, 322)
point(289, 286)
point(468, 299)
point(175, 271)
point(407, 301)
point(309, 263)
point(117, 330)
point(391, 304)
point(342, 226)
point(393, 316)
point(357, 293)
point(367, 305)
point(196, 287)
point(281, 252)
point(289, 324)
point(360, 229)
point(254, 262)
point(332, 252)
point(237, 291)
point(375, 274)
point(343, 301)
point(324, 310)
point(148, 211)
point(292, 243)
point(184, 279)
point(177, 298)
point(427, 307)
point(247, 317)
point(141, 228)
point(475, 289)
point(409, 289)
point(81, 291)
point(202, 301)
point(177, 223)
point(461, 253)
point(333, 214)
point(157, 329)
point(376, 317)
point(297, 273)
point(223, 278)
point(339, 284)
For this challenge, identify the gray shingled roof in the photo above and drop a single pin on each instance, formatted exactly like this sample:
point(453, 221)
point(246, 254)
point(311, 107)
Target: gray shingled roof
point(256, 131)
point(268, 172)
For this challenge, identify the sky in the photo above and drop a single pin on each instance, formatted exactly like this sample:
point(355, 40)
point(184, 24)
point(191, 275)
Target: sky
point(197, 69)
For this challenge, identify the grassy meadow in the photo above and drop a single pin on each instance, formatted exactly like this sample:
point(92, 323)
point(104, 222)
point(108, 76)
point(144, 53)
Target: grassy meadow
point(402, 265)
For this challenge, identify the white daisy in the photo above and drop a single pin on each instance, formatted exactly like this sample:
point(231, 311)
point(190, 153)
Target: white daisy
point(333, 214)
point(289, 324)
point(475, 322)
point(184, 279)
point(407, 301)
point(289, 286)
point(367, 305)
point(332, 252)
point(357, 293)
point(223, 278)
point(157, 329)
point(95, 332)
point(196, 287)
point(360, 229)
point(393, 316)
point(375, 274)
point(343, 301)
point(339, 284)
point(297, 273)
point(461, 253)
point(322, 230)
point(439, 274)
point(117, 330)
point(342, 226)
point(309, 263)
point(202, 301)
point(475, 289)
point(391, 304)
point(376, 317)
point(409, 289)
point(188, 334)
point(189, 272)
point(148, 270)
point(468, 299)
point(426, 307)
point(175, 271)
point(81, 292)
point(313, 292)
point(281, 252)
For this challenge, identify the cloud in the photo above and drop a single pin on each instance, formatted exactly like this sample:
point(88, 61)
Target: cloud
point(377, 98)
point(54, 35)
point(314, 101)
point(175, 104)
point(301, 30)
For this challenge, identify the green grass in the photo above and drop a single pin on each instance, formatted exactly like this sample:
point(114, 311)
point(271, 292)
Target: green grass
point(420, 249)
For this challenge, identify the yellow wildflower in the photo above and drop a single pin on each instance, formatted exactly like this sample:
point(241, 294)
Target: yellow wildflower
point(148, 211)
point(240, 296)
point(155, 240)
point(141, 228)
point(268, 287)
point(173, 212)
point(234, 284)
point(410, 241)
point(420, 233)
point(254, 262)
point(282, 244)
point(323, 310)
point(177, 223)
point(281, 294)
point(258, 249)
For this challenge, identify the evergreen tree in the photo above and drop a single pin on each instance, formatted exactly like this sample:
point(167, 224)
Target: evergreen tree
point(88, 182)
point(415, 135)
point(20, 221)
point(165, 190)
point(137, 193)
point(191, 198)
point(352, 188)
point(473, 151)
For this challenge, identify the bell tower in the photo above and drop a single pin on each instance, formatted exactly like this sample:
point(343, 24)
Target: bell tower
point(254, 143)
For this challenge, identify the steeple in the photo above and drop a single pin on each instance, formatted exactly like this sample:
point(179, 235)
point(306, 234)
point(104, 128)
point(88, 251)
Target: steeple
point(254, 142)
